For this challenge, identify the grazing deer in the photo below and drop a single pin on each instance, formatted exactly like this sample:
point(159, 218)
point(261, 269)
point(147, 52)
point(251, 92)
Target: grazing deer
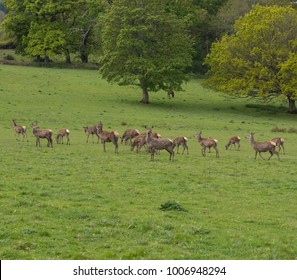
point(91, 131)
point(181, 141)
point(20, 129)
point(233, 141)
point(207, 143)
point(280, 143)
point(129, 134)
point(154, 144)
point(63, 132)
point(260, 147)
point(42, 133)
point(108, 137)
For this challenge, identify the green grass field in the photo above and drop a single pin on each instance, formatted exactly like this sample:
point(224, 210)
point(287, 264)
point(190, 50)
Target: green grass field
point(77, 202)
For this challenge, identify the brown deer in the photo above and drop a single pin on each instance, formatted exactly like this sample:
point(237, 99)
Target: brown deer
point(20, 129)
point(105, 136)
point(91, 131)
point(260, 147)
point(42, 133)
point(129, 134)
point(156, 144)
point(63, 132)
point(181, 141)
point(233, 141)
point(140, 141)
point(280, 143)
point(207, 143)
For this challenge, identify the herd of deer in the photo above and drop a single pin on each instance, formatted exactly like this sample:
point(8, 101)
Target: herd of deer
point(152, 141)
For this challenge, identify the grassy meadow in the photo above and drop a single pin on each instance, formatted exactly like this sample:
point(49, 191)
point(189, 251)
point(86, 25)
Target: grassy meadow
point(77, 202)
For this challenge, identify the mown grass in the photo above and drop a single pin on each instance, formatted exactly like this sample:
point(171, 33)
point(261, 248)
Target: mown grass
point(77, 202)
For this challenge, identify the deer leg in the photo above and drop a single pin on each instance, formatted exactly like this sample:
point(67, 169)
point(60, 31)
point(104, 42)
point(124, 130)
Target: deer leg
point(116, 148)
point(217, 152)
point(271, 154)
point(184, 148)
point(260, 154)
point(171, 152)
point(171, 157)
point(152, 154)
point(203, 151)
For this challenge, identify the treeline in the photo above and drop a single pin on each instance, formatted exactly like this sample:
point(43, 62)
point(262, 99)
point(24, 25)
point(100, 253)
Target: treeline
point(43, 28)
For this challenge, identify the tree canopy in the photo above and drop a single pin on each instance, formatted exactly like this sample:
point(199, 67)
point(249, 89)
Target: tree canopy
point(145, 45)
point(47, 27)
point(260, 58)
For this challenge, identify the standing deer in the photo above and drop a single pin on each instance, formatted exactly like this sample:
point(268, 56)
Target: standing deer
point(154, 144)
point(140, 141)
point(233, 141)
point(63, 132)
point(280, 143)
point(91, 131)
point(129, 134)
point(207, 143)
point(181, 141)
point(42, 133)
point(20, 129)
point(105, 136)
point(260, 147)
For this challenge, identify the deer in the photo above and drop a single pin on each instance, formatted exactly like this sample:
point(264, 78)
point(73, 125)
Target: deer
point(20, 129)
point(91, 131)
point(63, 132)
point(280, 143)
point(233, 141)
point(129, 134)
point(139, 141)
point(105, 136)
point(260, 147)
point(207, 143)
point(158, 144)
point(42, 133)
point(181, 141)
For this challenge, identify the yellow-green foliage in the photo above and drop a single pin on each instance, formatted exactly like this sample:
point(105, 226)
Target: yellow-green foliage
point(260, 58)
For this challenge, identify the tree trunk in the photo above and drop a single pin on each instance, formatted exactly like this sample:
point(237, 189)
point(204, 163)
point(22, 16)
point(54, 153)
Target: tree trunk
point(46, 59)
point(67, 55)
point(84, 58)
point(292, 106)
point(145, 96)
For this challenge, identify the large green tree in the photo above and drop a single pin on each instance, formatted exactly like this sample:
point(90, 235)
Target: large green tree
point(47, 27)
point(145, 45)
point(260, 58)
